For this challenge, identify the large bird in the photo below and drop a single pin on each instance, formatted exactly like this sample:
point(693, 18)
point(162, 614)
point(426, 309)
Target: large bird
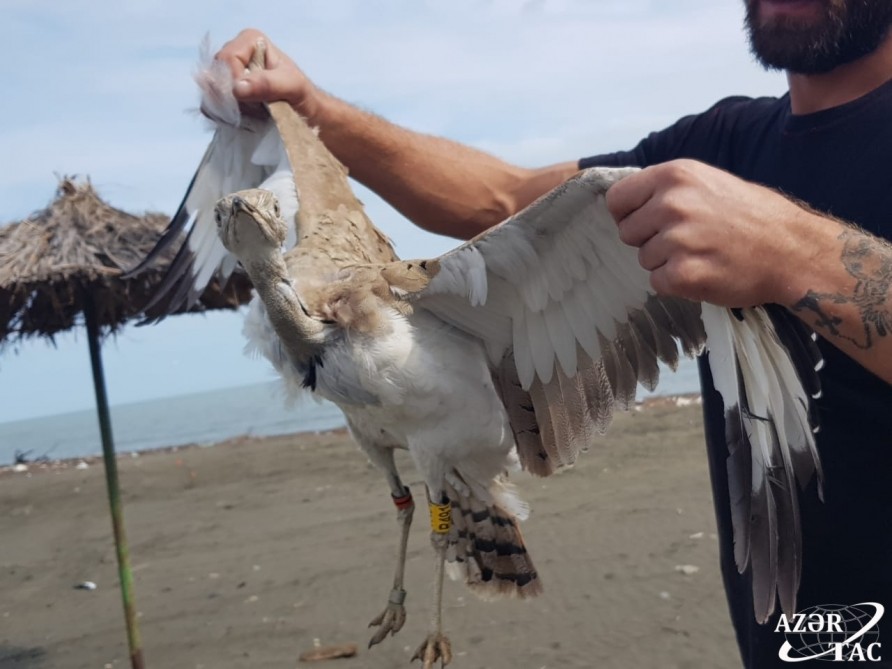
point(517, 346)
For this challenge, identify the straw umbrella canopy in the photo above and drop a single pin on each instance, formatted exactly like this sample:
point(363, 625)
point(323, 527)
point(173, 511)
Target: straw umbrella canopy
point(65, 258)
point(61, 267)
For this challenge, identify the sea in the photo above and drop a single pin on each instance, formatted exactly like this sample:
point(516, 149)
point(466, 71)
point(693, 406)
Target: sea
point(205, 419)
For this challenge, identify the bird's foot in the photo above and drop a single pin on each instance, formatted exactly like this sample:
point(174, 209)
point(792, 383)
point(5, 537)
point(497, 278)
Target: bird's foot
point(391, 620)
point(436, 647)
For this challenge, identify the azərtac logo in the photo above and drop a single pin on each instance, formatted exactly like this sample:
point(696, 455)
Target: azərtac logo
point(832, 632)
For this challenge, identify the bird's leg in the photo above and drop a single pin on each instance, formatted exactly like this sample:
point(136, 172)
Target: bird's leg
point(437, 646)
point(394, 615)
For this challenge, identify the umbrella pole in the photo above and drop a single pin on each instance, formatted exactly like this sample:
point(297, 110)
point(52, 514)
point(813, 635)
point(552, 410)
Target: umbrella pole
point(114, 491)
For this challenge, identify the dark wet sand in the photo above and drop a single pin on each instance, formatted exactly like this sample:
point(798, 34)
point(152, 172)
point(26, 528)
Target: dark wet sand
point(246, 553)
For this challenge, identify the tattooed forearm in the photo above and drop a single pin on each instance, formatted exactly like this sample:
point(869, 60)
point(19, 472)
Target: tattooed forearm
point(869, 261)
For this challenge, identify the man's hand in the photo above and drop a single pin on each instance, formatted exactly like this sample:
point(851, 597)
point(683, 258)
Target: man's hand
point(281, 80)
point(707, 235)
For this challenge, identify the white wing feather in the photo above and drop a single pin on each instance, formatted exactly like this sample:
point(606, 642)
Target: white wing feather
point(245, 152)
point(572, 277)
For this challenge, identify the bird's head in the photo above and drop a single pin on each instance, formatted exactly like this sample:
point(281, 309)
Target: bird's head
point(249, 222)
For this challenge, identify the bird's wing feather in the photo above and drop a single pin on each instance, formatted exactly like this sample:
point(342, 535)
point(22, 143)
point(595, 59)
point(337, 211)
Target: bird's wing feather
point(567, 314)
point(245, 152)
point(765, 366)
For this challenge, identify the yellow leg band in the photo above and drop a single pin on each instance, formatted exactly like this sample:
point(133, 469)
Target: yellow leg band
point(441, 518)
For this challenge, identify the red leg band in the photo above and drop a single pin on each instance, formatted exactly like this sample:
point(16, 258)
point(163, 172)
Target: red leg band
point(405, 501)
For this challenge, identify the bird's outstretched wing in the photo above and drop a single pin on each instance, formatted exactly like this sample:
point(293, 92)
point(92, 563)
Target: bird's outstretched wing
point(571, 326)
point(568, 317)
point(245, 152)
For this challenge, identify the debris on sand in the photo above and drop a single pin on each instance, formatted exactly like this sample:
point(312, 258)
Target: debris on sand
point(687, 569)
point(329, 652)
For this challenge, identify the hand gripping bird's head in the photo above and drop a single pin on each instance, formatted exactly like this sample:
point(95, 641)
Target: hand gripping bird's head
point(250, 223)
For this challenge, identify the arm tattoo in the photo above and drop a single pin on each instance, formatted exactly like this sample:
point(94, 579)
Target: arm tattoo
point(869, 260)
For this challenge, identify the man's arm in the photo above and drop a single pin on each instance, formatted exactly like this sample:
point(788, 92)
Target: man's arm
point(703, 233)
point(438, 184)
point(707, 235)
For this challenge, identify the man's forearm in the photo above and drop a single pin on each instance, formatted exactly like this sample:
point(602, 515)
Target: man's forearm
point(440, 185)
point(852, 306)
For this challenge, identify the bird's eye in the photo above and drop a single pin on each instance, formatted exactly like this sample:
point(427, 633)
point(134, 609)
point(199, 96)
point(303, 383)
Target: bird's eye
point(218, 218)
point(276, 210)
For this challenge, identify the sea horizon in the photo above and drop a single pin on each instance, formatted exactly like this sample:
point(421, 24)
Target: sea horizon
point(202, 418)
point(206, 418)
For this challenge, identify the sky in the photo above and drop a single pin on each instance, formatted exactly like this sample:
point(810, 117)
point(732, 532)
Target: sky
point(104, 89)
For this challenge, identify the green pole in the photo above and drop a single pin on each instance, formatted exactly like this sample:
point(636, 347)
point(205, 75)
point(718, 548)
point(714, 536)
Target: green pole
point(114, 490)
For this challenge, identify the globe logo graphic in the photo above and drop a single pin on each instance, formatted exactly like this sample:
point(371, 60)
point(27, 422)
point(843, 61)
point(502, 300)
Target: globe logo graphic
point(851, 626)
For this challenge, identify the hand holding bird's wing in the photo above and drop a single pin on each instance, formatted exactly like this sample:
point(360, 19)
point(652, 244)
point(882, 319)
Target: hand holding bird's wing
point(245, 152)
point(279, 78)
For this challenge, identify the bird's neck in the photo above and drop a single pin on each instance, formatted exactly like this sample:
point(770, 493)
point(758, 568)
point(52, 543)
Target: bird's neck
point(301, 335)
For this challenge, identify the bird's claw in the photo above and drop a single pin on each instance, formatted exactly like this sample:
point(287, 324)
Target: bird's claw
point(436, 647)
point(390, 621)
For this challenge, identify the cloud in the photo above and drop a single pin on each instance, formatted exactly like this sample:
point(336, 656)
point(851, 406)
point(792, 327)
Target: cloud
point(101, 88)
point(106, 95)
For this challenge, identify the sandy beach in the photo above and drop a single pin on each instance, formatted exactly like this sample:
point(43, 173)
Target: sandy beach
point(247, 553)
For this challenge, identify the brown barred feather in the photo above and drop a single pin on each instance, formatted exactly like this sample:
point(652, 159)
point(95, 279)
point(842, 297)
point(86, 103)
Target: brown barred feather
point(488, 548)
point(533, 455)
point(620, 373)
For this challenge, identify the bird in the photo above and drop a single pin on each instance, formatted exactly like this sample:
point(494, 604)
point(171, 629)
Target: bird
point(512, 350)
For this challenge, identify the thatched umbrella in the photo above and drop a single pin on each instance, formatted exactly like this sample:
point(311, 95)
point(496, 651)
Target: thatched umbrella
point(64, 264)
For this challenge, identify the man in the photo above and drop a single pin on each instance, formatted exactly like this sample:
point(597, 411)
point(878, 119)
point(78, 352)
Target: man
point(710, 222)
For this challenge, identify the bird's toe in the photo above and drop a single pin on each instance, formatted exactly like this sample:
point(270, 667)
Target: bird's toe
point(435, 647)
point(389, 621)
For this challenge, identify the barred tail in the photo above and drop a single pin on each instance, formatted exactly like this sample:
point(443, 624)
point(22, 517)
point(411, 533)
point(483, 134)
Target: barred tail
point(487, 549)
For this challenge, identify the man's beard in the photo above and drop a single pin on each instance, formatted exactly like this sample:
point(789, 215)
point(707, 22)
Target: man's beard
point(848, 30)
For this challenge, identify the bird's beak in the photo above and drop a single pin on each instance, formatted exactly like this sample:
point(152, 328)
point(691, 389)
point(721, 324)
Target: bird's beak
point(240, 205)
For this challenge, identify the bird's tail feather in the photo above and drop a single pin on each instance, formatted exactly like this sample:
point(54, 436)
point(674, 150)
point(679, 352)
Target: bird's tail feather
point(486, 546)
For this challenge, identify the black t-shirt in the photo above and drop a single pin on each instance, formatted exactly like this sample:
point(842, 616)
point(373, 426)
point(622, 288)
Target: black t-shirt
point(840, 162)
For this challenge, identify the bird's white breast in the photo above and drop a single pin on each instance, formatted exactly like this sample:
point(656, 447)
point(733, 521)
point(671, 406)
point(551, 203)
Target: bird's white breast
point(421, 379)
